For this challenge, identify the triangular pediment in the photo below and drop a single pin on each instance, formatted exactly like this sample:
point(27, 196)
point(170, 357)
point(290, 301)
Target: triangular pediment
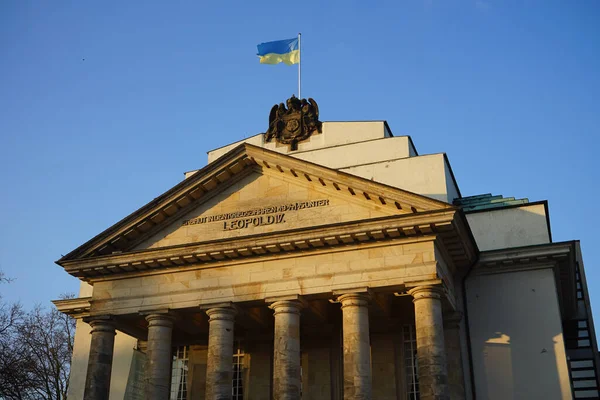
point(253, 191)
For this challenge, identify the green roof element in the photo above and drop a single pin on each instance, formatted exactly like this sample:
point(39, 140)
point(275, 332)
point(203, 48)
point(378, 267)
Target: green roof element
point(487, 201)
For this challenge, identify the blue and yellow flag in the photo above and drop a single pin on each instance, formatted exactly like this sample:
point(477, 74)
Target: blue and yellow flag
point(286, 51)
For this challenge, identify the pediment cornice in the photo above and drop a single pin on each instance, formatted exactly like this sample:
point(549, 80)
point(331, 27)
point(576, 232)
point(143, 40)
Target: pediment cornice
point(226, 171)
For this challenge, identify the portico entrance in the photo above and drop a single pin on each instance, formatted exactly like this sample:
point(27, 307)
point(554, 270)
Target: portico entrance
point(355, 345)
point(327, 282)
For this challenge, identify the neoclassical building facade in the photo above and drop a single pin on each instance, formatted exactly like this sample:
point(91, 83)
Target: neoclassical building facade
point(330, 261)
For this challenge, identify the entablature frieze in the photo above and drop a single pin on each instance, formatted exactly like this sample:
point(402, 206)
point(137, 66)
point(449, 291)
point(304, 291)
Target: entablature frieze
point(447, 226)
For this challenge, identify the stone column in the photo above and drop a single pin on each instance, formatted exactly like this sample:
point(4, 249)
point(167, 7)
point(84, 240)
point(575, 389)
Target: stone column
point(456, 383)
point(158, 356)
point(431, 352)
point(286, 350)
point(219, 368)
point(97, 381)
point(357, 349)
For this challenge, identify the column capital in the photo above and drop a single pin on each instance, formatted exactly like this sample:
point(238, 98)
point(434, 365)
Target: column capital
point(101, 323)
point(220, 311)
point(426, 292)
point(159, 318)
point(287, 306)
point(354, 299)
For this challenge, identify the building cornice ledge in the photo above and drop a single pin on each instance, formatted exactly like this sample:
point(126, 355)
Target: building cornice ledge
point(524, 255)
point(76, 308)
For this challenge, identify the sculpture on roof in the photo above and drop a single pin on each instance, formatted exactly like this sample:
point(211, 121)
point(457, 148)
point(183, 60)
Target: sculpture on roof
point(295, 123)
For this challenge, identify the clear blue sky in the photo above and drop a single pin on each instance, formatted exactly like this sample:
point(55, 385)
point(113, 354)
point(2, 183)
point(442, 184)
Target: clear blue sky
point(103, 105)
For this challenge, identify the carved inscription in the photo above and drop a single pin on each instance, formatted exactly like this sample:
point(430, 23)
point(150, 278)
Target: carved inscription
point(256, 217)
point(254, 221)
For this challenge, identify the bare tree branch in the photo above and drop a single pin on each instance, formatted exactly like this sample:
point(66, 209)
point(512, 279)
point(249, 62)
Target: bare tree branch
point(35, 353)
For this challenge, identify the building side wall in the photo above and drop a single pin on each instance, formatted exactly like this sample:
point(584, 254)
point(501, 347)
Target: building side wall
point(464, 341)
point(257, 384)
point(316, 373)
point(197, 372)
point(452, 190)
point(333, 134)
point(516, 336)
point(348, 155)
point(510, 227)
point(383, 366)
point(79, 361)
point(123, 354)
point(336, 134)
point(424, 175)
point(256, 140)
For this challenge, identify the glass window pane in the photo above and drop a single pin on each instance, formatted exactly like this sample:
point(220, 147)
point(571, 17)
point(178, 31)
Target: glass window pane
point(179, 371)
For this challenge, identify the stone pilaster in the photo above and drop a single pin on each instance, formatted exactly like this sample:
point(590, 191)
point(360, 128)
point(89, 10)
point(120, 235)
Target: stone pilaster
point(431, 353)
point(97, 381)
point(456, 382)
point(357, 351)
point(219, 369)
point(286, 350)
point(158, 355)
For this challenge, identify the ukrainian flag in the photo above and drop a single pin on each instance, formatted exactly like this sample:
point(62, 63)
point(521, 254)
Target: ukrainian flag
point(286, 51)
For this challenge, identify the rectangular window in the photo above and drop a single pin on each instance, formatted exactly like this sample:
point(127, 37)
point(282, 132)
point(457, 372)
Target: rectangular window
point(587, 394)
point(410, 362)
point(179, 373)
point(583, 343)
point(237, 387)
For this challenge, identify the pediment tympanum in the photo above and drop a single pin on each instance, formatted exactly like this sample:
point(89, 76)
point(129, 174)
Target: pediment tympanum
point(265, 202)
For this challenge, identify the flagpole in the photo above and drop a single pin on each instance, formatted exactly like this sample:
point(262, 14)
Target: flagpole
point(299, 66)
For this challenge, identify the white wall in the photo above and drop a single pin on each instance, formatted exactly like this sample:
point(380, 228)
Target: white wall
point(123, 354)
point(79, 361)
point(256, 140)
point(358, 153)
point(425, 175)
point(511, 227)
point(516, 336)
point(334, 134)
